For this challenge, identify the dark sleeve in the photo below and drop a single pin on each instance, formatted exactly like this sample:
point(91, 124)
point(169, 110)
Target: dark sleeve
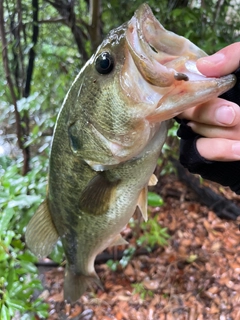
point(225, 173)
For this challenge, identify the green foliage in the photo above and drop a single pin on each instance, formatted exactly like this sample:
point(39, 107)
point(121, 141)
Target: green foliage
point(142, 291)
point(112, 264)
point(127, 256)
point(217, 23)
point(123, 262)
point(153, 234)
point(57, 253)
point(19, 197)
point(154, 200)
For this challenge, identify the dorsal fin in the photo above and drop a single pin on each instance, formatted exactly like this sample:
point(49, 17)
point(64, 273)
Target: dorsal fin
point(98, 195)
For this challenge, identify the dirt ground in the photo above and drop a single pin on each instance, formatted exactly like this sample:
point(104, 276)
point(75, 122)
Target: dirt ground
point(195, 277)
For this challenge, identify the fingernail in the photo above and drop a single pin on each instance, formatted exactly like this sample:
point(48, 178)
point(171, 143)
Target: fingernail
point(225, 115)
point(236, 148)
point(213, 59)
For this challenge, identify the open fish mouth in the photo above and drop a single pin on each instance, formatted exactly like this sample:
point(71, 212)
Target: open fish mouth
point(167, 62)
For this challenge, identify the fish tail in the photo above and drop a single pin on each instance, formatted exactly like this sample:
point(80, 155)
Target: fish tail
point(76, 284)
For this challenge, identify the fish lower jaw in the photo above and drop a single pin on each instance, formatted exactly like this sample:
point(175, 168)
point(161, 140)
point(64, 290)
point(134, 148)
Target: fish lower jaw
point(189, 94)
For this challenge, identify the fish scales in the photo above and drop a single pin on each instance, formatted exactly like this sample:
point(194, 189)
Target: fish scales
point(108, 137)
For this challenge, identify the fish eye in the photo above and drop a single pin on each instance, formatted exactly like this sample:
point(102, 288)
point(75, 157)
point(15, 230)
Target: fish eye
point(104, 63)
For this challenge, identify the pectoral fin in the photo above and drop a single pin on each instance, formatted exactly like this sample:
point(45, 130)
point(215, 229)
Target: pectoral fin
point(142, 203)
point(41, 234)
point(98, 195)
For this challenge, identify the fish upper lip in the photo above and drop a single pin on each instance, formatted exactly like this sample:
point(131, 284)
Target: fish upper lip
point(148, 56)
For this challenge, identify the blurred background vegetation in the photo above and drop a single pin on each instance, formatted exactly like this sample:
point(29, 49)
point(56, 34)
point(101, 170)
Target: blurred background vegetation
point(44, 43)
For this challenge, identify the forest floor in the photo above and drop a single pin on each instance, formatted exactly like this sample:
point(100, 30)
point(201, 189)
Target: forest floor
point(195, 277)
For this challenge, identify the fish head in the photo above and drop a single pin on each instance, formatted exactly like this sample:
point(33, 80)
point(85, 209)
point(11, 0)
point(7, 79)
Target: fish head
point(139, 76)
point(167, 63)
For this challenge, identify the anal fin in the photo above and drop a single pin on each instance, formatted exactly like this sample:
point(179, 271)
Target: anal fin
point(153, 180)
point(118, 241)
point(142, 203)
point(41, 234)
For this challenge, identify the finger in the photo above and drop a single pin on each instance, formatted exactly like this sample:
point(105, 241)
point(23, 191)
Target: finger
point(218, 149)
point(218, 112)
point(221, 63)
point(210, 131)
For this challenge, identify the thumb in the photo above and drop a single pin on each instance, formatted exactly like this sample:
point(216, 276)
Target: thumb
point(221, 63)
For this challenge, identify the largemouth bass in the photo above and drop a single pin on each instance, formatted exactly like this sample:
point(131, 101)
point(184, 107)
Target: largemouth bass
point(108, 137)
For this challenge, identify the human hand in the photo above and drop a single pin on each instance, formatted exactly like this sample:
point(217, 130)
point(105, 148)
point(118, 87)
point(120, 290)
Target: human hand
point(218, 120)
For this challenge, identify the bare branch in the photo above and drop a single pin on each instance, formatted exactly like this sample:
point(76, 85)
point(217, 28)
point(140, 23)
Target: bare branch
point(32, 53)
point(95, 23)
point(8, 76)
point(27, 87)
point(20, 53)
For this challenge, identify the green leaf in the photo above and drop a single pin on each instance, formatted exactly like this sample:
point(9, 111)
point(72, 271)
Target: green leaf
point(41, 308)
point(17, 304)
point(4, 197)
point(24, 201)
point(113, 265)
point(35, 130)
point(27, 256)
point(43, 313)
point(6, 216)
point(3, 254)
point(5, 313)
point(28, 267)
point(10, 278)
point(57, 253)
point(154, 199)
point(8, 237)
